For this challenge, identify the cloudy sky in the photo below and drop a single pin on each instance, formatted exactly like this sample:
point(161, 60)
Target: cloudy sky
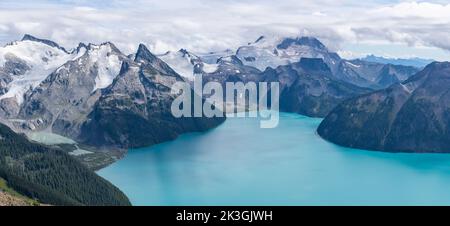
point(351, 27)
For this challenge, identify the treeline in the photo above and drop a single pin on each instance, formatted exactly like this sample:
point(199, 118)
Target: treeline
point(50, 175)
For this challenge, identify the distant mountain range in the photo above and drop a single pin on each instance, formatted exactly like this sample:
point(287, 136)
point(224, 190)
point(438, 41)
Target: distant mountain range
point(292, 62)
point(45, 87)
point(414, 62)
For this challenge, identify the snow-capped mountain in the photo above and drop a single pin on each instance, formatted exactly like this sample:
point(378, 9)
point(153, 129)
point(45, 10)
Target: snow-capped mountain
point(25, 64)
point(187, 64)
point(135, 110)
point(264, 52)
point(108, 60)
point(212, 57)
point(231, 69)
point(272, 52)
point(83, 93)
point(67, 95)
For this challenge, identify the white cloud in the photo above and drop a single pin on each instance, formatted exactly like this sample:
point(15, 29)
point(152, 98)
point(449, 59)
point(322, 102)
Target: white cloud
point(418, 10)
point(318, 13)
point(206, 25)
point(351, 55)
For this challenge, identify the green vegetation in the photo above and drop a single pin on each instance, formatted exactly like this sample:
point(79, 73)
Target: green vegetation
point(5, 188)
point(50, 175)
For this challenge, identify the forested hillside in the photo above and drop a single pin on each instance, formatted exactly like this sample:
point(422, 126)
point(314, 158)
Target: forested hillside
point(50, 175)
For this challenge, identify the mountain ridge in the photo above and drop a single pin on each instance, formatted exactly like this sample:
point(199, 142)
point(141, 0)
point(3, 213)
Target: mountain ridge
point(63, 101)
point(28, 37)
point(415, 61)
point(407, 117)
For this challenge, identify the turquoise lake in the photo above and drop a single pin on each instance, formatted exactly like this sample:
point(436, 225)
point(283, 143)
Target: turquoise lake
point(238, 163)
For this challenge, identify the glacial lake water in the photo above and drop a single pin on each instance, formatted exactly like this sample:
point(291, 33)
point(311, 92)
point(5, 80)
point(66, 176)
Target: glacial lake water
point(238, 163)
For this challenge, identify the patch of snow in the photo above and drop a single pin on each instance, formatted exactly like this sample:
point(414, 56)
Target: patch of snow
point(61, 68)
point(406, 88)
point(262, 57)
point(264, 53)
point(184, 64)
point(181, 64)
point(212, 57)
point(79, 152)
point(80, 53)
point(108, 65)
point(17, 120)
point(210, 68)
point(353, 65)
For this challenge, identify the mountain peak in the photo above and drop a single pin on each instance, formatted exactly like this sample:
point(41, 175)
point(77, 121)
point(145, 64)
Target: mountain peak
point(184, 53)
point(259, 39)
point(142, 47)
point(28, 37)
point(301, 41)
point(437, 66)
point(143, 54)
point(107, 44)
point(80, 46)
point(92, 47)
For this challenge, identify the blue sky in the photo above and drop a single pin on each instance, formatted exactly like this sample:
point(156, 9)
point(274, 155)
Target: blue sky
point(352, 28)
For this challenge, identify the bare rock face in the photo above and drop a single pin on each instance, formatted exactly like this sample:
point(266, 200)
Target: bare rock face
point(12, 67)
point(413, 116)
point(9, 108)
